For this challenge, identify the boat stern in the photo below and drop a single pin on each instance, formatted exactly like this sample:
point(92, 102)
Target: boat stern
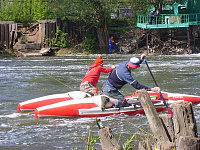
point(19, 108)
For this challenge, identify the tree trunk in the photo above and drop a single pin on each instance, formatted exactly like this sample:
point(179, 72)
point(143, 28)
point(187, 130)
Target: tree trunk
point(102, 33)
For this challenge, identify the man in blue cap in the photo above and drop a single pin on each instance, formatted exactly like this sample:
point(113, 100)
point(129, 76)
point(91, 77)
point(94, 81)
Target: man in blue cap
point(120, 77)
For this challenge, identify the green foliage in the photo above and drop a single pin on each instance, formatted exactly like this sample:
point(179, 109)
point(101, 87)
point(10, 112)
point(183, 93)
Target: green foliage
point(24, 39)
point(91, 143)
point(89, 11)
point(6, 53)
point(128, 145)
point(121, 24)
point(89, 44)
point(141, 6)
point(59, 40)
point(24, 11)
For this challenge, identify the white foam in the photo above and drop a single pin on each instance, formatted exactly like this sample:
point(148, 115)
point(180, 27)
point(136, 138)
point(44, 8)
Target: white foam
point(14, 115)
point(4, 125)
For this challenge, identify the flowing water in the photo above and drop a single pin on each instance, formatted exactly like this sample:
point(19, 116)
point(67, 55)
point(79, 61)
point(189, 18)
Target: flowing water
point(26, 78)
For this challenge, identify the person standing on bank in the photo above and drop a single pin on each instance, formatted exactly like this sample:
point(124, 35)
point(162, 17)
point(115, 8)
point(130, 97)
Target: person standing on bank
point(120, 77)
point(89, 82)
point(156, 15)
point(151, 17)
point(111, 45)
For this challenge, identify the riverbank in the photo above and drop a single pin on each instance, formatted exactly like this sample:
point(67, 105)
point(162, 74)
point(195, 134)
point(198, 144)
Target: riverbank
point(65, 52)
point(7, 53)
point(130, 42)
point(71, 52)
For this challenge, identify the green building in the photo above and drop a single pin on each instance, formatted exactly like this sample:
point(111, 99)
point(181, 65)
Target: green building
point(174, 18)
point(172, 15)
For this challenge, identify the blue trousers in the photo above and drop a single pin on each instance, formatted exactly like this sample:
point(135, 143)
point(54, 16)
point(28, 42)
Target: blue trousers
point(114, 93)
point(112, 46)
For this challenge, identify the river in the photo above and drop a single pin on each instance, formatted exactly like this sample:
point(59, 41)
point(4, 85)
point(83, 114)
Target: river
point(26, 78)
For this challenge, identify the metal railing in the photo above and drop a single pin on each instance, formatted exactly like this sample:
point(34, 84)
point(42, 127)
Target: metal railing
point(191, 19)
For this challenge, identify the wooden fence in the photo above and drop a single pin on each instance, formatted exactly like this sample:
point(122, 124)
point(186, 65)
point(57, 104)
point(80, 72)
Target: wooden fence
point(47, 29)
point(10, 33)
point(7, 29)
point(76, 32)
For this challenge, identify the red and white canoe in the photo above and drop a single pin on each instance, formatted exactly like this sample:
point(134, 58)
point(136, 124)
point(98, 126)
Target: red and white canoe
point(79, 104)
point(89, 107)
point(31, 105)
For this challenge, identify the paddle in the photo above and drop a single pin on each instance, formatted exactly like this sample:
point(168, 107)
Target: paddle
point(161, 96)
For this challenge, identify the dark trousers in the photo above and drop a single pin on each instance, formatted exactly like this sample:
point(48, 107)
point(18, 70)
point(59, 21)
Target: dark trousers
point(113, 93)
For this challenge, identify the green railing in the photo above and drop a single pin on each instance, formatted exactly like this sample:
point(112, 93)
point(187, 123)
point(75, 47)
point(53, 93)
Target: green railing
point(168, 20)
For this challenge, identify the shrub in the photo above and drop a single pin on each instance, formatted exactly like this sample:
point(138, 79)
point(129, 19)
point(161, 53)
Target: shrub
point(89, 44)
point(59, 40)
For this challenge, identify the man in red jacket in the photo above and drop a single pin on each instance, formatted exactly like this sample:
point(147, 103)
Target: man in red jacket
point(89, 82)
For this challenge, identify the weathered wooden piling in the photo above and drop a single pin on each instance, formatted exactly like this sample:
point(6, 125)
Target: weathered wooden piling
point(181, 131)
point(188, 143)
point(184, 121)
point(178, 133)
point(108, 142)
point(168, 125)
point(152, 116)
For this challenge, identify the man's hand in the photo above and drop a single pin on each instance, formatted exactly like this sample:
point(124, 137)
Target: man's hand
point(143, 56)
point(156, 89)
point(113, 67)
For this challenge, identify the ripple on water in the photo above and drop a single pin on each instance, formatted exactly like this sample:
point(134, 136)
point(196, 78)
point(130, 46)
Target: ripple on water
point(23, 79)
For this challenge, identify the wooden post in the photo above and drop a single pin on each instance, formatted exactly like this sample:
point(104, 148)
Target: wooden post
point(2, 34)
point(188, 143)
point(137, 39)
point(50, 29)
point(160, 33)
point(184, 121)
point(171, 35)
point(145, 145)
point(42, 37)
point(7, 36)
point(107, 139)
point(147, 42)
point(152, 116)
point(164, 146)
point(12, 35)
point(194, 48)
point(188, 37)
point(184, 134)
point(168, 125)
point(193, 34)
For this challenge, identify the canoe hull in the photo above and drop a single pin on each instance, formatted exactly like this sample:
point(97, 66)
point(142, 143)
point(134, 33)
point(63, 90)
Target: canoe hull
point(31, 105)
point(80, 104)
point(89, 107)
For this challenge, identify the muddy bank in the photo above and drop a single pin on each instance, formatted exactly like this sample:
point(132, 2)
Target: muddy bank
point(152, 42)
point(162, 42)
